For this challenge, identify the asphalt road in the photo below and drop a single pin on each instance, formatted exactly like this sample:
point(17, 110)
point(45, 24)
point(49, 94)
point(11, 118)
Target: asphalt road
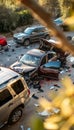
point(6, 59)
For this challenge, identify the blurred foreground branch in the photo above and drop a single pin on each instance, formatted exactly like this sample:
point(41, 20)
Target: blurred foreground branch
point(44, 17)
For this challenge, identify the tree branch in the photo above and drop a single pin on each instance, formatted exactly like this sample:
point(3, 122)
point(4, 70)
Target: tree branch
point(44, 17)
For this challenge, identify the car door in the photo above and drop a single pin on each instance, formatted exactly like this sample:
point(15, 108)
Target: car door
point(42, 32)
point(20, 92)
point(6, 102)
point(34, 35)
point(49, 72)
point(43, 61)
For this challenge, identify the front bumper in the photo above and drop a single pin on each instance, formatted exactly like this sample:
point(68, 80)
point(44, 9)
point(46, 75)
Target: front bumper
point(19, 41)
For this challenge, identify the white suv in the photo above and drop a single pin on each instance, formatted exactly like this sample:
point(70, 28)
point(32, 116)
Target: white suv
point(14, 94)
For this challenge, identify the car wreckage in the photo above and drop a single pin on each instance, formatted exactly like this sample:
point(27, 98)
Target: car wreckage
point(46, 61)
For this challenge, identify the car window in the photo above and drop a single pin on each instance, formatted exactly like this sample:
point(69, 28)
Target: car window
point(18, 86)
point(41, 29)
point(30, 60)
point(51, 55)
point(5, 96)
point(35, 31)
point(28, 31)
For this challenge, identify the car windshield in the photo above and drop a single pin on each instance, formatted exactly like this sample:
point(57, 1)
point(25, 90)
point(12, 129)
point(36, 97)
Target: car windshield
point(31, 60)
point(28, 30)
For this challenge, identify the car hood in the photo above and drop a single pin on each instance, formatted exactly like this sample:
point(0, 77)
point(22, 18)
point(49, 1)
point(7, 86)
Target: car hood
point(18, 66)
point(20, 35)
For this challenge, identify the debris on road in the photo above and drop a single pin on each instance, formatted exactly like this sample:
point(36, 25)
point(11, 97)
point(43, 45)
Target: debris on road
point(22, 127)
point(36, 105)
point(72, 59)
point(44, 113)
point(35, 96)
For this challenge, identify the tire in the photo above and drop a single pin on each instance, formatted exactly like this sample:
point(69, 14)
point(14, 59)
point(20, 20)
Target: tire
point(47, 37)
point(26, 42)
point(15, 116)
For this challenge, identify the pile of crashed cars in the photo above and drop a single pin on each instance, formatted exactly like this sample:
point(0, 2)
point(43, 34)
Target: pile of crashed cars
point(46, 61)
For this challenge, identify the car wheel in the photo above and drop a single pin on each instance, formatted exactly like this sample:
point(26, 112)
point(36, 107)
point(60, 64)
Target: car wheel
point(15, 116)
point(47, 37)
point(26, 42)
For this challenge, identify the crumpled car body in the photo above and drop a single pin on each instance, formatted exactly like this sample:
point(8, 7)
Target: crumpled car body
point(50, 70)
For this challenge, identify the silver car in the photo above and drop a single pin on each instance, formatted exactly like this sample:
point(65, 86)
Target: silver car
point(14, 94)
point(31, 34)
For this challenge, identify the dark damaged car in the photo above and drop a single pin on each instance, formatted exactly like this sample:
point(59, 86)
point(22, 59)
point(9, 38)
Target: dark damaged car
point(31, 61)
point(50, 70)
point(50, 45)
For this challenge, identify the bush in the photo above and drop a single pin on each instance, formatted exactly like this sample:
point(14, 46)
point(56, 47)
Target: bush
point(9, 19)
point(24, 18)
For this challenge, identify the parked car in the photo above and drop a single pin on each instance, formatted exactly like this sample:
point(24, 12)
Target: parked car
point(3, 43)
point(31, 34)
point(14, 95)
point(32, 60)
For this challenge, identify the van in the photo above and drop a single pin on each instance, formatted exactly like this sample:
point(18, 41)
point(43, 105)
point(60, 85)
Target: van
point(14, 94)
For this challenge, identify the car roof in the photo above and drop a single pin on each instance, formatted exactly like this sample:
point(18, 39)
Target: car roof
point(6, 75)
point(36, 52)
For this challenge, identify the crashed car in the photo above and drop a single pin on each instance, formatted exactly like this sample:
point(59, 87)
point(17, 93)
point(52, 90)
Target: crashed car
point(49, 70)
point(31, 61)
point(49, 45)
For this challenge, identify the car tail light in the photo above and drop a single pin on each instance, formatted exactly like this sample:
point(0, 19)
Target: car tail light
point(28, 92)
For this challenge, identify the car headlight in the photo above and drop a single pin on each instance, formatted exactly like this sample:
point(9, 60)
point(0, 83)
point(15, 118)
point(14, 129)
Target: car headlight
point(20, 38)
